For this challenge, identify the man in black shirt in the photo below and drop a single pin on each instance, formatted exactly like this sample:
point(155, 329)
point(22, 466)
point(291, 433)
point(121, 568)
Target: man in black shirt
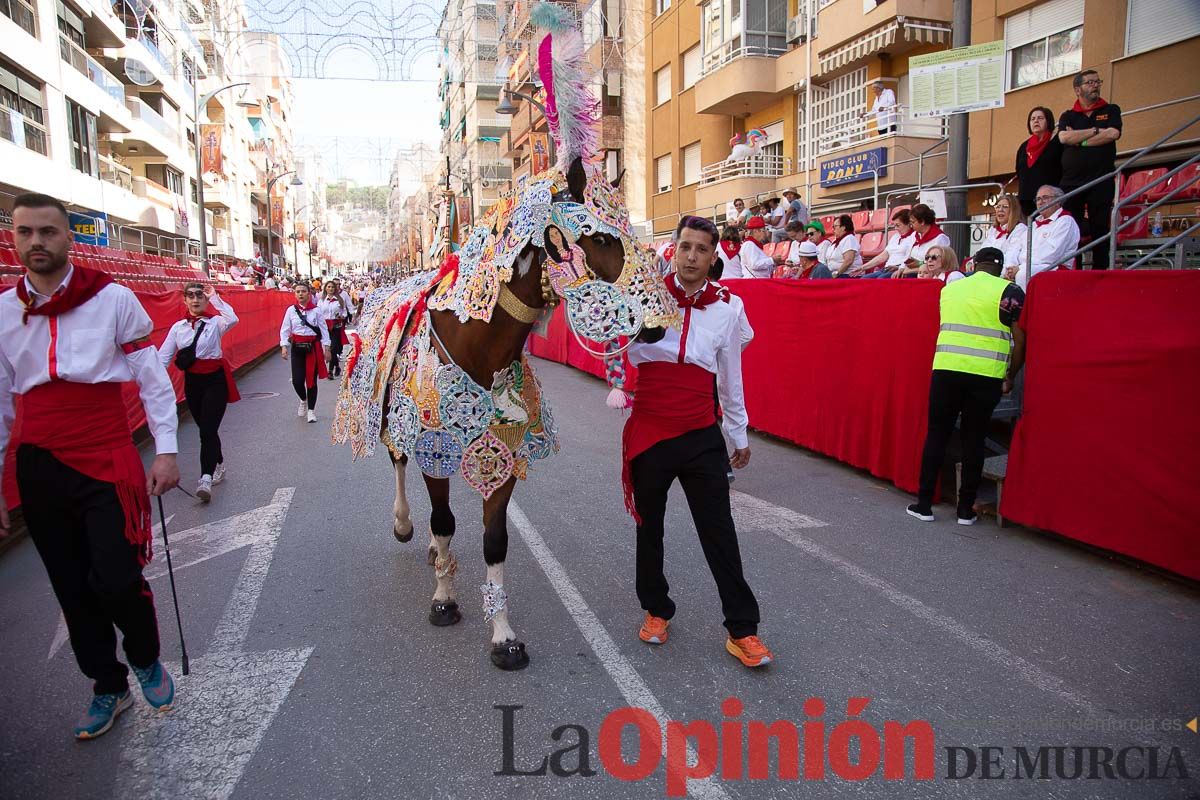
point(1089, 131)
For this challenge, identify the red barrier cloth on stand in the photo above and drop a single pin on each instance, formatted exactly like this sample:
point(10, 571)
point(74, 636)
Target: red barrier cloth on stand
point(257, 332)
point(1106, 449)
point(843, 368)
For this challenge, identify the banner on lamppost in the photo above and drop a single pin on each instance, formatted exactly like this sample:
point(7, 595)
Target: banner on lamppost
point(539, 152)
point(277, 209)
point(210, 148)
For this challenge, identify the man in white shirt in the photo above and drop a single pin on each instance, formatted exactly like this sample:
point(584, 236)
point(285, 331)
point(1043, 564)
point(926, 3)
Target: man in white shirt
point(1055, 237)
point(755, 262)
point(69, 337)
point(673, 433)
point(884, 109)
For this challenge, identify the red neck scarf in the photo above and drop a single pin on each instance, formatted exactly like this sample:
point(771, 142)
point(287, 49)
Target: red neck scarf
point(1035, 145)
point(208, 313)
point(710, 294)
point(1001, 232)
point(929, 235)
point(301, 309)
point(1100, 103)
point(1047, 220)
point(838, 239)
point(731, 248)
point(84, 284)
point(753, 241)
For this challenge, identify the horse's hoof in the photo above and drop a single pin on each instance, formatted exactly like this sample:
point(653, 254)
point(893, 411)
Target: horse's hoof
point(403, 537)
point(431, 557)
point(444, 614)
point(510, 656)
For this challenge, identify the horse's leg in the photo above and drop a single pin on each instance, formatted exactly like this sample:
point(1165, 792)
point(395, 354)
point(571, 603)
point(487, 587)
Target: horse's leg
point(402, 527)
point(444, 610)
point(508, 652)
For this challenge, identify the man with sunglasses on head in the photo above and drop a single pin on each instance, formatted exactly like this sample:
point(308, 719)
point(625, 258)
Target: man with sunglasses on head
point(69, 337)
point(1089, 131)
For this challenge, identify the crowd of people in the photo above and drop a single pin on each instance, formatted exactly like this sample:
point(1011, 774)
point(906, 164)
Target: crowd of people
point(1053, 161)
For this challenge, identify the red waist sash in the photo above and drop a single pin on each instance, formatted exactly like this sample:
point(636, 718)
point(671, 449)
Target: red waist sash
point(314, 361)
point(671, 400)
point(85, 426)
point(329, 323)
point(207, 366)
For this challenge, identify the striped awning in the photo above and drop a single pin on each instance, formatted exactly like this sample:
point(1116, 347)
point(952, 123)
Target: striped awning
point(912, 31)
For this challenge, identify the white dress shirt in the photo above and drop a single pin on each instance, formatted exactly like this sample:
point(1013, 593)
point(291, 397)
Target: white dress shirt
point(1011, 243)
point(755, 263)
point(209, 346)
point(716, 335)
point(86, 342)
point(733, 264)
point(293, 326)
point(847, 244)
point(1052, 242)
point(898, 248)
point(884, 109)
point(332, 309)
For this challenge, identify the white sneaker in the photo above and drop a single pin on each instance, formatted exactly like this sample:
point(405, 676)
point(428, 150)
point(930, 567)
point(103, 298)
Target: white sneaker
point(312, 416)
point(219, 473)
point(301, 409)
point(204, 488)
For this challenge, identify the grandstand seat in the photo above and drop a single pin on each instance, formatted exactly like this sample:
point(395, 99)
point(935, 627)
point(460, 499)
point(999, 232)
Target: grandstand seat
point(861, 220)
point(1139, 229)
point(6, 237)
point(872, 244)
point(1135, 182)
point(892, 211)
point(878, 221)
point(1180, 180)
point(9, 256)
point(828, 221)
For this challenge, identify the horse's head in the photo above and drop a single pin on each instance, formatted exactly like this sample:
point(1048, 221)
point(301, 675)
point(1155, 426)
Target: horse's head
point(595, 263)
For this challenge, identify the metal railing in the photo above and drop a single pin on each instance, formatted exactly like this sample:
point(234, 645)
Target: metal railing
point(858, 129)
point(152, 118)
point(1116, 225)
point(726, 53)
point(104, 79)
point(760, 166)
point(116, 174)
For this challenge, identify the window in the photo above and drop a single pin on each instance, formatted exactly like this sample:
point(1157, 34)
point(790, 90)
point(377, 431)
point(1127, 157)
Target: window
point(662, 173)
point(612, 165)
point(22, 116)
point(84, 156)
point(1044, 42)
point(691, 163)
point(738, 28)
point(165, 176)
point(22, 13)
point(1154, 23)
point(612, 92)
point(662, 83)
point(70, 38)
point(691, 67)
point(662, 5)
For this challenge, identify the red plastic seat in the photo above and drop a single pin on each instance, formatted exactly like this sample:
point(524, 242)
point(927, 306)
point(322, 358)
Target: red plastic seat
point(879, 220)
point(1187, 180)
point(9, 256)
point(872, 244)
point(1135, 182)
point(828, 221)
point(861, 219)
point(1139, 229)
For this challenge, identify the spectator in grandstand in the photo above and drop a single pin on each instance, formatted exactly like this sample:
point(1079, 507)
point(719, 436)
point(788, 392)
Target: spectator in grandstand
point(980, 349)
point(814, 232)
point(755, 262)
point(808, 264)
point(774, 218)
point(795, 211)
point(742, 214)
point(1089, 131)
point(884, 109)
point(729, 262)
point(928, 234)
point(941, 263)
point(846, 255)
point(895, 254)
point(1055, 236)
point(1039, 159)
point(1008, 229)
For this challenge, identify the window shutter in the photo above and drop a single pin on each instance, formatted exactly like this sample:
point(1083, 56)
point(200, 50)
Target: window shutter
point(662, 172)
point(691, 163)
point(663, 88)
point(691, 67)
point(1154, 23)
point(1041, 21)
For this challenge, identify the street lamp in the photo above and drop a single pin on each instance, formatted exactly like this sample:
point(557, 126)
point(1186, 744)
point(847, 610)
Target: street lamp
point(508, 109)
point(202, 103)
point(270, 230)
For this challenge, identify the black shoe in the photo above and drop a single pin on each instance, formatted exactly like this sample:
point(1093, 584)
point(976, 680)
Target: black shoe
point(968, 518)
point(923, 514)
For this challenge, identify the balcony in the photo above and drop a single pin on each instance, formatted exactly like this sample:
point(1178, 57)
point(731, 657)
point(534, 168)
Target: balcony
point(724, 180)
point(843, 23)
point(72, 53)
point(851, 130)
point(148, 115)
point(104, 79)
point(116, 174)
point(737, 82)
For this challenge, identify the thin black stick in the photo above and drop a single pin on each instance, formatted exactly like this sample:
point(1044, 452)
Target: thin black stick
point(171, 572)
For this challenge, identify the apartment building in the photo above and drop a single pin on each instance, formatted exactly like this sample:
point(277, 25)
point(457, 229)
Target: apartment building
point(468, 91)
point(802, 70)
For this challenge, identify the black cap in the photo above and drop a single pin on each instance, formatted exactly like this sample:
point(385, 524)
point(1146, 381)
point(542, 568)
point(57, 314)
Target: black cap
point(990, 255)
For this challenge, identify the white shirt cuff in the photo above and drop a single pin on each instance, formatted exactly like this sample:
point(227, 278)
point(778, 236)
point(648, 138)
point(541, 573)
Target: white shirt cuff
point(166, 444)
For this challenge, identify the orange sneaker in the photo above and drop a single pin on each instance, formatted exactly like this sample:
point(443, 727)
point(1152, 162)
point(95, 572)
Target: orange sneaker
point(654, 629)
point(749, 650)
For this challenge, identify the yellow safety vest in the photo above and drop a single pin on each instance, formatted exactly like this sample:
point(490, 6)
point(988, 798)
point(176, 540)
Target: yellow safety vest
point(972, 339)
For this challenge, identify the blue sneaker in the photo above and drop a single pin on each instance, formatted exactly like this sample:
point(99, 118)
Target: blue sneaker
point(101, 714)
point(157, 685)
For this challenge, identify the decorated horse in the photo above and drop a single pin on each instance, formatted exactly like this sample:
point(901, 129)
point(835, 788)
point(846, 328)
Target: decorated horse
point(438, 373)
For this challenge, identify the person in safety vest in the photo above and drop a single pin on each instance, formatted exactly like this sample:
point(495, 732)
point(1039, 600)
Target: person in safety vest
point(980, 349)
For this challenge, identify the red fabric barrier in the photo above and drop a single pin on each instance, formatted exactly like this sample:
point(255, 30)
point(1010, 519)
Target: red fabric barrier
point(1106, 449)
point(257, 332)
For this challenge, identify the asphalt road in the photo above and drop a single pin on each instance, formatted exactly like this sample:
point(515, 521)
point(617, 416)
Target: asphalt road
point(315, 673)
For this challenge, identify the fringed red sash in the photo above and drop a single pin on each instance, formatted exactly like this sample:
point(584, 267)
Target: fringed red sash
point(329, 323)
point(314, 361)
point(671, 400)
point(84, 425)
point(206, 366)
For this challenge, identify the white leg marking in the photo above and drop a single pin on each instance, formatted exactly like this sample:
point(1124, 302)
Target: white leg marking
point(445, 586)
point(501, 630)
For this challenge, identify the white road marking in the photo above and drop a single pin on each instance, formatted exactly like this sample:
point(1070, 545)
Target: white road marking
point(760, 515)
point(631, 685)
point(223, 708)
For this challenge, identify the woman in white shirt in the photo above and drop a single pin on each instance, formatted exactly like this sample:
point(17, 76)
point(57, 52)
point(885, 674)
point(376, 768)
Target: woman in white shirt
point(898, 247)
point(941, 263)
point(336, 310)
point(928, 234)
point(846, 256)
point(1009, 233)
point(303, 336)
point(193, 344)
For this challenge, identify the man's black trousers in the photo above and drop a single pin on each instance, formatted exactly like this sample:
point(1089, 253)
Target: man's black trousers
point(1099, 202)
point(299, 379)
point(207, 397)
point(699, 461)
point(952, 394)
point(78, 526)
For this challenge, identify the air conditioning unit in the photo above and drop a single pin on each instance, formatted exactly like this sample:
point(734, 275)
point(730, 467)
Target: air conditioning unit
point(485, 183)
point(797, 28)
